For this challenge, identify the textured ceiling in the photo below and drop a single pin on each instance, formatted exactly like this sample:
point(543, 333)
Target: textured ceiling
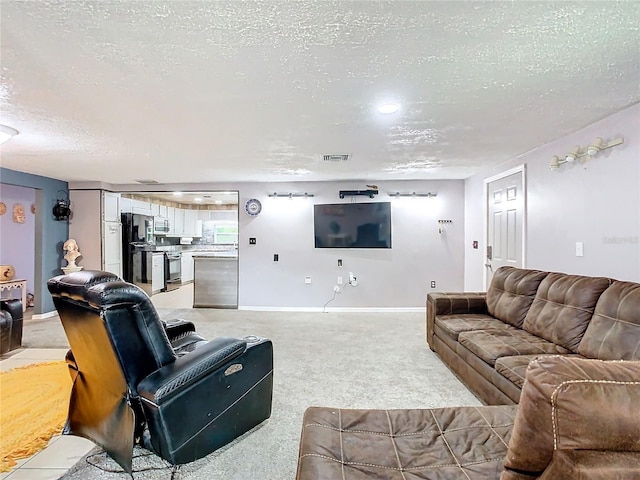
point(183, 92)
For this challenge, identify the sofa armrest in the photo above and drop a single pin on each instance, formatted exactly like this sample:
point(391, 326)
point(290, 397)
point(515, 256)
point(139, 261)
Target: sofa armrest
point(450, 303)
point(162, 384)
point(570, 403)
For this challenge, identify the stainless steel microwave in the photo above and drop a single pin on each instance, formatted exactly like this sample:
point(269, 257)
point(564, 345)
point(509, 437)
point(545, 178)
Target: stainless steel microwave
point(160, 225)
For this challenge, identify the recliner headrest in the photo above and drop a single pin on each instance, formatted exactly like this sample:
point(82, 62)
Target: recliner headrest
point(75, 285)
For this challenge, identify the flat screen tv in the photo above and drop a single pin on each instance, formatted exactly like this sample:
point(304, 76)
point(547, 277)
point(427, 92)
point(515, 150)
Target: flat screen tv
point(352, 225)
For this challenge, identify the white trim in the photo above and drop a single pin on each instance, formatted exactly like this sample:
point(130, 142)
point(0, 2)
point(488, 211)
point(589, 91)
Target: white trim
point(41, 316)
point(258, 308)
point(522, 169)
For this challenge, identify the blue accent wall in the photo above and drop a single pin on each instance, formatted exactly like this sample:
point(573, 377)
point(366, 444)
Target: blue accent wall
point(50, 233)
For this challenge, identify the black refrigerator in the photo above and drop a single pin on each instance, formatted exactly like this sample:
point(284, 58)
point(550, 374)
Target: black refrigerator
point(137, 235)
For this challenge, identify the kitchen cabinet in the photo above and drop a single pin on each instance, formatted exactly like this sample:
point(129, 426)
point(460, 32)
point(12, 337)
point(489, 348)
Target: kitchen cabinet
point(126, 205)
point(203, 215)
point(110, 207)
point(215, 281)
point(140, 207)
point(190, 223)
point(99, 241)
point(112, 247)
point(187, 267)
point(155, 210)
point(157, 272)
point(178, 222)
point(171, 216)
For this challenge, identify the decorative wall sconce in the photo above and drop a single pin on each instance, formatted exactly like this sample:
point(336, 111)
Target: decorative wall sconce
point(291, 195)
point(413, 194)
point(577, 152)
point(61, 209)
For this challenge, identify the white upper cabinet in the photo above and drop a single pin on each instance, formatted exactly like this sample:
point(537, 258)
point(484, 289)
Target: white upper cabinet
point(203, 215)
point(110, 207)
point(190, 223)
point(140, 207)
point(155, 210)
point(125, 205)
point(178, 222)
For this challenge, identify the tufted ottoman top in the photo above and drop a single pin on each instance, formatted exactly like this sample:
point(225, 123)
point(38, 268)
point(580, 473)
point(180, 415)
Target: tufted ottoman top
point(443, 443)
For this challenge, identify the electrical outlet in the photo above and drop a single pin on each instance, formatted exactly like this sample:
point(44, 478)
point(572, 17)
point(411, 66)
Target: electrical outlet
point(307, 280)
point(339, 262)
point(252, 241)
point(276, 257)
point(339, 280)
point(433, 284)
point(336, 288)
point(352, 279)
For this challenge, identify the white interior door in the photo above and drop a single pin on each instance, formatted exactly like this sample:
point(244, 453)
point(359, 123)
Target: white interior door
point(505, 222)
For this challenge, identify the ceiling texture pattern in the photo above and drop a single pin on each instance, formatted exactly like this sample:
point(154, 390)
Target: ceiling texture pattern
point(185, 92)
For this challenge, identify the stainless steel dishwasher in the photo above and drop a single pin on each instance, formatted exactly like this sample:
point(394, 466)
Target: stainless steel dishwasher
point(215, 282)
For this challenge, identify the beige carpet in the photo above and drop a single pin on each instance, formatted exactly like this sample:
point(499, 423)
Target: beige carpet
point(349, 360)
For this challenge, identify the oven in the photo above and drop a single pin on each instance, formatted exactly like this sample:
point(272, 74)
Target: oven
point(172, 270)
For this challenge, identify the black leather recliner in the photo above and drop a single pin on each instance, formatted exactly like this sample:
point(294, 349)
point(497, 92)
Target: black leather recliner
point(10, 325)
point(137, 379)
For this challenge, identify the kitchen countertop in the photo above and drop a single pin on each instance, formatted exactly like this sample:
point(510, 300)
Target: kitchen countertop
point(215, 255)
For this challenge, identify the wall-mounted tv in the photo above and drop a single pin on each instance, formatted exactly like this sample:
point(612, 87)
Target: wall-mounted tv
point(352, 225)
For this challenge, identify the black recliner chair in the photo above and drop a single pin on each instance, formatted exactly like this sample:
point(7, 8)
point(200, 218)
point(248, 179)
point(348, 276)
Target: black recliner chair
point(139, 380)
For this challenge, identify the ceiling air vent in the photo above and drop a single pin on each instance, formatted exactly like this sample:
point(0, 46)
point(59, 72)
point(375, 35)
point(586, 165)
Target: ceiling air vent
point(147, 182)
point(335, 157)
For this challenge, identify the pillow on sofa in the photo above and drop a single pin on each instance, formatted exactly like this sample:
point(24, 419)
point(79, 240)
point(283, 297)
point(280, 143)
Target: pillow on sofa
point(614, 330)
point(511, 293)
point(563, 307)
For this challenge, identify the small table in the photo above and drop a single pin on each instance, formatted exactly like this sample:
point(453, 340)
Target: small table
point(18, 283)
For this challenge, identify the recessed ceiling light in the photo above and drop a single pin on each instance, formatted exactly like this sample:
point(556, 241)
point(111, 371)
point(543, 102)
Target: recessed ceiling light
point(388, 108)
point(218, 202)
point(177, 194)
point(198, 199)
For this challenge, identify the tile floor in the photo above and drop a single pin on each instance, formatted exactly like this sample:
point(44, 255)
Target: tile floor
point(64, 451)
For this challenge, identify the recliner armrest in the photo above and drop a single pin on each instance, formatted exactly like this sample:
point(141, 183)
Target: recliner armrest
point(162, 384)
point(178, 328)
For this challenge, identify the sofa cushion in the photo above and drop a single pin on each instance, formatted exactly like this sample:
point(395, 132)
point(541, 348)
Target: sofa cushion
point(453, 325)
point(563, 307)
point(515, 368)
point(455, 442)
point(511, 292)
point(614, 330)
point(490, 345)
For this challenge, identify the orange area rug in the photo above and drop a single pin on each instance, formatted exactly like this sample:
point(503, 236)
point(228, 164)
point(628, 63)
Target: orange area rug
point(34, 403)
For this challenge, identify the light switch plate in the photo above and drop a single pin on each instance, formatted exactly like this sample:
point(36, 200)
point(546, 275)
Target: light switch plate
point(307, 280)
point(579, 249)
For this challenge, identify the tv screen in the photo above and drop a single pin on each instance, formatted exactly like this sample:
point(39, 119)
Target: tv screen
point(352, 225)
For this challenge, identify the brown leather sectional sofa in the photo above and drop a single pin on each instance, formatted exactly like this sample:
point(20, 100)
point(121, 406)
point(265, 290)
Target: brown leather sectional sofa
point(488, 339)
point(577, 419)
point(573, 338)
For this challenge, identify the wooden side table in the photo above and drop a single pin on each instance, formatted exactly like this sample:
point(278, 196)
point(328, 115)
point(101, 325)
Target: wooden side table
point(18, 283)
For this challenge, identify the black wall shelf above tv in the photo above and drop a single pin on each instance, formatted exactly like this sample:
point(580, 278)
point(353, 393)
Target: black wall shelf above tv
point(366, 193)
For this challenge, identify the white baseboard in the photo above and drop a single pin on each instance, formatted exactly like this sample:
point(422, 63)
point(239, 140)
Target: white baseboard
point(41, 316)
point(334, 309)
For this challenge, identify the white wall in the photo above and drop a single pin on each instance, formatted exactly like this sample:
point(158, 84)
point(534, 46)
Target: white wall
point(596, 202)
point(396, 278)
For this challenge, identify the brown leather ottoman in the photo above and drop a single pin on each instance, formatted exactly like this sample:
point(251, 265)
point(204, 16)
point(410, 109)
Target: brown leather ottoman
point(443, 443)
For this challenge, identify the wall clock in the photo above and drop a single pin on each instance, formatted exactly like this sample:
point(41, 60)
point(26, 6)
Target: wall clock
point(253, 207)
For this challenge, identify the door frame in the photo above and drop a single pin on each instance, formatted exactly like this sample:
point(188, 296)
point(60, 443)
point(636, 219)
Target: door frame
point(522, 169)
